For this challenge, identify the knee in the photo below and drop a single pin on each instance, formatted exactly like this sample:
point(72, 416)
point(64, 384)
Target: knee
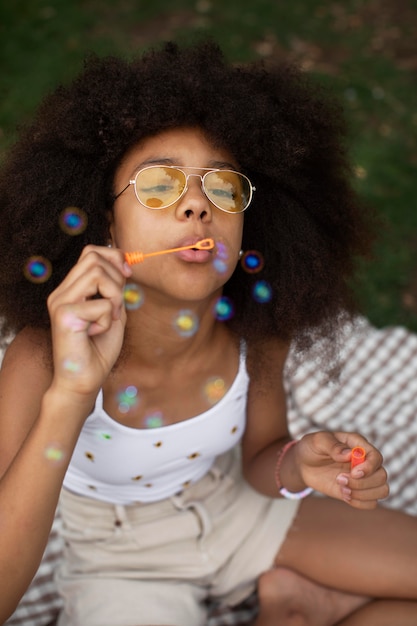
point(286, 606)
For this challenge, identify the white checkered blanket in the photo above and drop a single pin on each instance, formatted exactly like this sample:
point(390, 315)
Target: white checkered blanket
point(375, 394)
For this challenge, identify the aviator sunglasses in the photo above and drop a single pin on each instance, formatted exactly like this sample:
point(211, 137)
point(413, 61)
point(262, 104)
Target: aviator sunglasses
point(160, 186)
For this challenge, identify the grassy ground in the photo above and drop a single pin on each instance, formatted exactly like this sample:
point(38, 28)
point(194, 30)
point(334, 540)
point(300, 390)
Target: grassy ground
point(365, 49)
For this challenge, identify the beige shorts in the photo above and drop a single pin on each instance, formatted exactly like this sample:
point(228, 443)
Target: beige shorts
point(156, 564)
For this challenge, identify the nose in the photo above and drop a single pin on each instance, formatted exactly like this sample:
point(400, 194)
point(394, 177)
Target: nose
point(194, 202)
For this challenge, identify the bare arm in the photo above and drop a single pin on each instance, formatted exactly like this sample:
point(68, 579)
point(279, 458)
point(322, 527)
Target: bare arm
point(43, 405)
point(320, 460)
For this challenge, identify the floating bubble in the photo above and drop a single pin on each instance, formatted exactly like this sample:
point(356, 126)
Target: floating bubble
point(54, 453)
point(155, 419)
point(220, 266)
point(224, 309)
point(186, 323)
point(133, 296)
point(252, 261)
point(72, 364)
point(221, 257)
point(37, 269)
point(262, 291)
point(127, 399)
point(73, 221)
point(214, 389)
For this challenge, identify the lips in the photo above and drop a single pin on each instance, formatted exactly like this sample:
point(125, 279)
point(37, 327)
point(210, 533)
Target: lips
point(193, 255)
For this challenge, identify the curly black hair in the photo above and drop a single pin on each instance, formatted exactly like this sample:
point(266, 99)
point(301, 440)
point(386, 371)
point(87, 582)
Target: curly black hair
point(286, 132)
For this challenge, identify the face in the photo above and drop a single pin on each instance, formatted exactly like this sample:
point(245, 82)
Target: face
point(188, 275)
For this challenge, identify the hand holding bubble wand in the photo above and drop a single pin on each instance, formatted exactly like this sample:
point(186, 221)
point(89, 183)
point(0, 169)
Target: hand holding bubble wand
point(139, 257)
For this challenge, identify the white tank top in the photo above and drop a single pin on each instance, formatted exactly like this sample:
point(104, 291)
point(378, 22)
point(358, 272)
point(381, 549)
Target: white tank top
point(123, 465)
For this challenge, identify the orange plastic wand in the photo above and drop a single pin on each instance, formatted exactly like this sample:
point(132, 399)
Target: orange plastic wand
point(357, 456)
point(138, 257)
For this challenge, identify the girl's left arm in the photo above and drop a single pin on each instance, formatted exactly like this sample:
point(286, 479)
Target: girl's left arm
point(320, 460)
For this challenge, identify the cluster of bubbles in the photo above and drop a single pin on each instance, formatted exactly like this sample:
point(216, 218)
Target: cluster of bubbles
point(133, 296)
point(127, 399)
point(221, 258)
point(37, 269)
point(186, 323)
point(72, 221)
point(214, 389)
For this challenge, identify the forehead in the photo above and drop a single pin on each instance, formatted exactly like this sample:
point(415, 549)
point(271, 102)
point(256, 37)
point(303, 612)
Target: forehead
point(179, 146)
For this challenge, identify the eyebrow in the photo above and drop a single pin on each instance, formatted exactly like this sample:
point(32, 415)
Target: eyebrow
point(220, 165)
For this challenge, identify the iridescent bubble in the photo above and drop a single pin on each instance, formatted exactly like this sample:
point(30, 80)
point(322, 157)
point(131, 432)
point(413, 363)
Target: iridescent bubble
point(252, 261)
point(220, 266)
point(72, 364)
point(127, 399)
point(214, 389)
point(73, 221)
point(221, 257)
point(224, 309)
point(186, 323)
point(133, 296)
point(262, 291)
point(54, 453)
point(154, 419)
point(37, 269)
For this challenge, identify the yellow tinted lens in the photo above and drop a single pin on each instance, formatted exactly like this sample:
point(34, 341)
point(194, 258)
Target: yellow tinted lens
point(158, 187)
point(227, 190)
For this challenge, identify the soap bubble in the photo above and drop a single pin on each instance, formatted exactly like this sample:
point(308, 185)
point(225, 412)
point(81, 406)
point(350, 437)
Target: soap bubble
point(221, 257)
point(133, 296)
point(262, 291)
point(37, 269)
point(214, 389)
point(224, 309)
point(73, 221)
point(186, 323)
point(54, 453)
point(154, 419)
point(252, 261)
point(73, 364)
point(127, 399)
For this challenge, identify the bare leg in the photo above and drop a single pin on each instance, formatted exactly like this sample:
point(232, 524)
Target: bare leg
point(369, 553)
point(289, 599)
point(340, 558)
point(384, 613)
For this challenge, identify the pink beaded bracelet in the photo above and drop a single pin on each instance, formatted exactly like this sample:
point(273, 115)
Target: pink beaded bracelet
point(299, 495)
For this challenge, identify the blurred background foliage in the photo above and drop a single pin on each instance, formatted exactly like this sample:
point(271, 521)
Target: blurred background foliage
point(366, 50)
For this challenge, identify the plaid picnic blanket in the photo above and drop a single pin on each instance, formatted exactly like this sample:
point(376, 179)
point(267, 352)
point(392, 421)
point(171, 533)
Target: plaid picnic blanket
point(375, 394)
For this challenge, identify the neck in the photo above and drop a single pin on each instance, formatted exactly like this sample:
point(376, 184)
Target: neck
point(170, 331)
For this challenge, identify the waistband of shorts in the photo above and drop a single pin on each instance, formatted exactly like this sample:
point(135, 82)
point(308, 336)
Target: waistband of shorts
point(226, 470)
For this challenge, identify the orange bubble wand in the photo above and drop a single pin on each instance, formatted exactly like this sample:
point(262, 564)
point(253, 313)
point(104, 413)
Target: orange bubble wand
point(139, 257)
point(357, 456)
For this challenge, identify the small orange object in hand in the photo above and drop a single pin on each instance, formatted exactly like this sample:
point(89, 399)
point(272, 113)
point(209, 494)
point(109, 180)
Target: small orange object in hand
point(357, 456)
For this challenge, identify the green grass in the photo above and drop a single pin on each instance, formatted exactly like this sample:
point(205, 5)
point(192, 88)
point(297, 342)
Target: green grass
point(366, 50)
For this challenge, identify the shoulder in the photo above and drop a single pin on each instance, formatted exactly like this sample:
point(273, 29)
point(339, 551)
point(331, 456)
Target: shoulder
point(30, 347)
point(26, 373)
point(27, 363)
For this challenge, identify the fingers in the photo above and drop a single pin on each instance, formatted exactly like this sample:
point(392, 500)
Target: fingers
point(99, 272)
point(364, 492)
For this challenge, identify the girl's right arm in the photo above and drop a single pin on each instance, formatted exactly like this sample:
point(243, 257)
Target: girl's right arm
point(44, 403)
